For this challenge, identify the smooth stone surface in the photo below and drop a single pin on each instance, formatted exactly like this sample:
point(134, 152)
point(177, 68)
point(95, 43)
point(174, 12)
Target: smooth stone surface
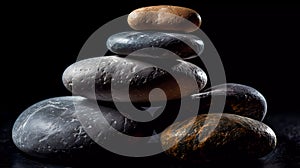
point(183, 45)
point(233, 137)
point(164, 17)
point(53, 128)
point(94, 78)
point(240, 99)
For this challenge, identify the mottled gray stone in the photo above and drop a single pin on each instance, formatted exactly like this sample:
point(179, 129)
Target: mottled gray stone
point(53, 128)
point(94, 78)
point(183, 45)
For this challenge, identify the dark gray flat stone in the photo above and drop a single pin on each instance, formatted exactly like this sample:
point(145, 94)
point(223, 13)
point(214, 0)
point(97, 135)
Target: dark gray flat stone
point(183, 45)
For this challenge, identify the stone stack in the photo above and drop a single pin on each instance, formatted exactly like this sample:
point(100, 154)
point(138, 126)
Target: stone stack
point(52, 128)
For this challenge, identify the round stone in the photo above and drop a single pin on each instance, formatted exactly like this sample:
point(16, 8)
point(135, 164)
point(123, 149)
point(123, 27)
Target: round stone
point(183, 45)
point(164, 17)
point(108, 79)
point(240, 99)
point(53, 128)
point(209, 137)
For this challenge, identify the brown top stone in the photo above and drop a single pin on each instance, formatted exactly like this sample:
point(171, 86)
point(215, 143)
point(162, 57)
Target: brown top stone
point(164, 17)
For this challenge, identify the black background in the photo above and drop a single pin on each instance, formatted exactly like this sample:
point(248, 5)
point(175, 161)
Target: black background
point(258, 44)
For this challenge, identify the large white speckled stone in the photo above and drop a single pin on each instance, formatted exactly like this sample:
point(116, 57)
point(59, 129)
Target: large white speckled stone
point(53, 128)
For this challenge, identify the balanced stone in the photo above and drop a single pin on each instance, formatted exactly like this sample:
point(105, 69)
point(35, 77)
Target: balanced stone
point(54, 128)
point(164, 17)
point(113, 78)
point(183, 45)
point(209, 137)
point(240, 99)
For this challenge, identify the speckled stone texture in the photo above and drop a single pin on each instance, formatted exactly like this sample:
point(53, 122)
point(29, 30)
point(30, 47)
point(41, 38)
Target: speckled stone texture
point(240, 99)
point(233, 137)
point(164, 17)
point(183, 45)
point(94, 78)
point(52, 128)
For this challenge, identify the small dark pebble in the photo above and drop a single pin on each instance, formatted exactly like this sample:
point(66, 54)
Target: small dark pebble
point(240, 100)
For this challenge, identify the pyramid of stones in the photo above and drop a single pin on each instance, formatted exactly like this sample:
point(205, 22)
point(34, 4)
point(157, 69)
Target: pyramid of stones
point(53, 128)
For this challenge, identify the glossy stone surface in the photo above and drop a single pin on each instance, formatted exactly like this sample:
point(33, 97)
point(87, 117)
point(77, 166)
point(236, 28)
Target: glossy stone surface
point(164, 17)
point(206, 138)
point(183, 45)
point(240, 99)
point(94, 78)
point(53, 128)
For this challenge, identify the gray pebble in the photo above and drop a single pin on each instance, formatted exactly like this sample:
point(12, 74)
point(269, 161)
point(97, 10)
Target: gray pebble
point(94, 78)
